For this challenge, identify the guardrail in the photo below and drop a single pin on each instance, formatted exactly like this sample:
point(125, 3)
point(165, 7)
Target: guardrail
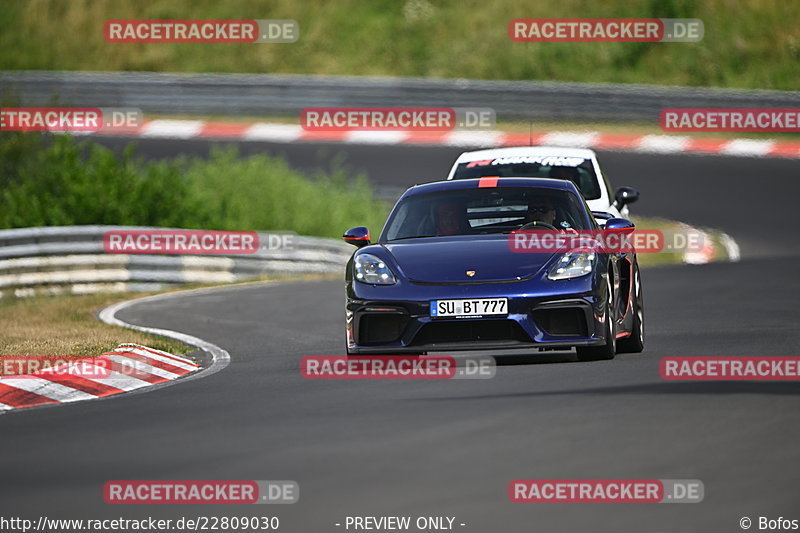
point(271, 94)
point(72, 259)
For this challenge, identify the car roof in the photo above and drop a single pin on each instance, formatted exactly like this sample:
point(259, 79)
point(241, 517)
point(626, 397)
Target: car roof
point(526, 150)
point(474, 183)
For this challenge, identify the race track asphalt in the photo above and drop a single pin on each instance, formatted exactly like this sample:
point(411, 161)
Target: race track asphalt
point(433, 448)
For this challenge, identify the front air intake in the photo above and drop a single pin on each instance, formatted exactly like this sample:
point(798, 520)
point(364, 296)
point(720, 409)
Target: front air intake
point(381, 328)
point(564, 321)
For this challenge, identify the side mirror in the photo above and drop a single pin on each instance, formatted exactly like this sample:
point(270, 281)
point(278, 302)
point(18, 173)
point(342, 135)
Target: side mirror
point(625, 196)
point(358, 236)
point(602, 215)
point(619, 224)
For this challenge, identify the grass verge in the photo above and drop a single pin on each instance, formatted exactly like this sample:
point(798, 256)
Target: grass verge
point(67, 325)
point(747, 43)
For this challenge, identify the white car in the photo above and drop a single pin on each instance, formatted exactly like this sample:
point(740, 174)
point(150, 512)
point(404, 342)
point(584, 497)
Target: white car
point(576, 164)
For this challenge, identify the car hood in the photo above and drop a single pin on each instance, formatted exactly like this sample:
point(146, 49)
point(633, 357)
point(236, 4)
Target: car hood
point(447, 260)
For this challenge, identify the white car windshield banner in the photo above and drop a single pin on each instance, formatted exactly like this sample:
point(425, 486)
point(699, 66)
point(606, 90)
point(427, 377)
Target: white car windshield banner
point(548, 161)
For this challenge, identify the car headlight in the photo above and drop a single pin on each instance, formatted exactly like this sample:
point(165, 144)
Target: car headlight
point(371, 269)
point(573, 265)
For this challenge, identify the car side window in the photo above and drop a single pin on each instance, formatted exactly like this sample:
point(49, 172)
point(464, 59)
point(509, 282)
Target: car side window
point(607, 184)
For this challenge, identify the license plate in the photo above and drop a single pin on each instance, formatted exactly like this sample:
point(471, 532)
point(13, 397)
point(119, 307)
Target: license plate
point(473, 308)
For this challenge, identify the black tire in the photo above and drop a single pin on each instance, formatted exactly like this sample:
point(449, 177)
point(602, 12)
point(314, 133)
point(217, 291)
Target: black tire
point(635, 343)
point(609, 349)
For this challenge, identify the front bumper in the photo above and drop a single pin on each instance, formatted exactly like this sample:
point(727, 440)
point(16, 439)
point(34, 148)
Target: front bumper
point(552, 320)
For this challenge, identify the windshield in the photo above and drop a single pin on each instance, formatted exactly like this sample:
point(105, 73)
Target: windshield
point(576, 169)
point(484, 211)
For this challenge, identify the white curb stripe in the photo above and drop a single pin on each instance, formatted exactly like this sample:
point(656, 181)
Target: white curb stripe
point(4, 407)
point(571, 138)
point(473, 138)
point(178, 129)
point(376, 137)
point(141, 366)
point(273, 132)
point(663, 144)
point(48, 389)
point(180, 363)
point(122, 381)
point(124, 347)
point(748, 147)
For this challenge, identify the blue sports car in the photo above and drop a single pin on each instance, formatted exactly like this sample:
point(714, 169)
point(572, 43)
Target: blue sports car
point(443, 276)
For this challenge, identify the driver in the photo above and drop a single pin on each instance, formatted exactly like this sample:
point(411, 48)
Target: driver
point(541, 209)
point(449, 219)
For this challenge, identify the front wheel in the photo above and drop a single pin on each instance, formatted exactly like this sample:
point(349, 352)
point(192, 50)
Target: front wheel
point(635, 343)
point(609, 349)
